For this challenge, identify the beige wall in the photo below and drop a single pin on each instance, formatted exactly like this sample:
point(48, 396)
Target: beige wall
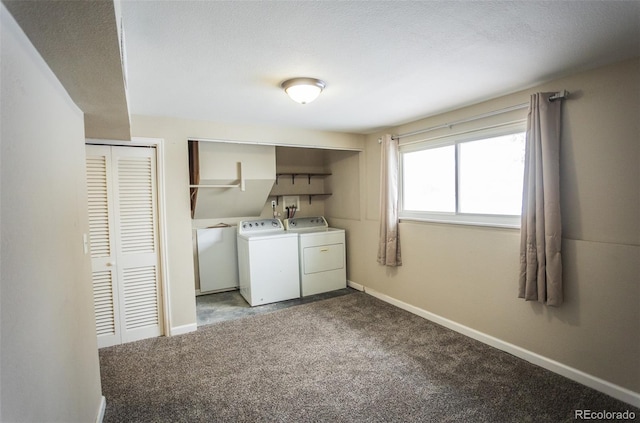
point(344, 184)
point(49, 354)
point(176, 132)
point(469, 274)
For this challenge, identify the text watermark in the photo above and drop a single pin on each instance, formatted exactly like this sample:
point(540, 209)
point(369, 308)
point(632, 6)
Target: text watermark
point(603, 415)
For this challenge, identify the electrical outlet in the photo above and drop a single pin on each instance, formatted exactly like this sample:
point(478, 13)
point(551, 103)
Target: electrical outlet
point(273, 204)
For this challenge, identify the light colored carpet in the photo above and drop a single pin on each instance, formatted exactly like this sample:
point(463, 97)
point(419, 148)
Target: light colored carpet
point(346, 359)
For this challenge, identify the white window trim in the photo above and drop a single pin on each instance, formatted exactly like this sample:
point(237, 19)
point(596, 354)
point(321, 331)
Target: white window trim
point(496, 221)
point(489, 220)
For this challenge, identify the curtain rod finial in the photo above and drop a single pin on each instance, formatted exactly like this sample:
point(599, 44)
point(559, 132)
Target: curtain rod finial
point(560, 95)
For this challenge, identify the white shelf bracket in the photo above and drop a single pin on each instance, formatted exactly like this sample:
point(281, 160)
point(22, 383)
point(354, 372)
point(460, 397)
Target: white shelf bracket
point(242, 184)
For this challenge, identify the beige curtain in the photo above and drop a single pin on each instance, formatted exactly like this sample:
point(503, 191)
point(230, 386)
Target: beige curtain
point(389, 243)
point(541, 231)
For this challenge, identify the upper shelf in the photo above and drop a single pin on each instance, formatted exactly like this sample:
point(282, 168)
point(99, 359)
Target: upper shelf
point(310, 195)
point(309, 175)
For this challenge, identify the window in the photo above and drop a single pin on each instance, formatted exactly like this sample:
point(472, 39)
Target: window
point(469, 179)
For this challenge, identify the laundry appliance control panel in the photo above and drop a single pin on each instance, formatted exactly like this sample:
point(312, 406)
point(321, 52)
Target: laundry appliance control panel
point(260, 226)
point(317, 223)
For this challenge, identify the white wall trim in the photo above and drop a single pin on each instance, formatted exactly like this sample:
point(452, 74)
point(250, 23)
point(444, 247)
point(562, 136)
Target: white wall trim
point(162, 226)
point(618, 392)
point(158, 143)
point(275, 144)
point(354, 285)
point(181, 330)
point(101, 409)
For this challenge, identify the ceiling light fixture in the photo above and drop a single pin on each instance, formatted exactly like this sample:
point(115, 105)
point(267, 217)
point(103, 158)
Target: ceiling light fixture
point(303, 90)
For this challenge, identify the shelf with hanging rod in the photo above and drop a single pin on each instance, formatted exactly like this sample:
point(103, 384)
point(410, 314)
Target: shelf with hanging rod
point(215, 186)
point(240, 184)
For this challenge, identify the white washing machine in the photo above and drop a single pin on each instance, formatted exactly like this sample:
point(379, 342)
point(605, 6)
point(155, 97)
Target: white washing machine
point(267, 262)
point(322, 254)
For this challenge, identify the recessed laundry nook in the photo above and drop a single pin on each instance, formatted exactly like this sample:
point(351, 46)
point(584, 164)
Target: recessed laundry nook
point(258, 219)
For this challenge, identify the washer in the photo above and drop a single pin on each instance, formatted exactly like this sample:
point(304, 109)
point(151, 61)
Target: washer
point(267, 262)
point(322, 254)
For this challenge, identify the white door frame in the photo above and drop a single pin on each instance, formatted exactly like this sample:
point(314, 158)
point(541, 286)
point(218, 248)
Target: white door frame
point(158, 143)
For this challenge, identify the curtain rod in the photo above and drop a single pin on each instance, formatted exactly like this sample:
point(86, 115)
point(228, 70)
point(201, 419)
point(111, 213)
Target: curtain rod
point(560, 95)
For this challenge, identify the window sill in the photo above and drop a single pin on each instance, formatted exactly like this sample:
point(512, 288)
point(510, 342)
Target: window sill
point(480, 220)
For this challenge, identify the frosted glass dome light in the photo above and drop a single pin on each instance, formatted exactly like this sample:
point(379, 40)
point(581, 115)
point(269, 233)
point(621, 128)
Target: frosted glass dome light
point(303, 90)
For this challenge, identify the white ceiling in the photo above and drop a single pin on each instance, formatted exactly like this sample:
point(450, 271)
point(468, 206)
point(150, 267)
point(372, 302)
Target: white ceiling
point(79, 42)
point(385, 62)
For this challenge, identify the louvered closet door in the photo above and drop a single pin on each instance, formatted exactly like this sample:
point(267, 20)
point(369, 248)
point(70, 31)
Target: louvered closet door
point(101, 235)
point(135, 233)
point(132, 266)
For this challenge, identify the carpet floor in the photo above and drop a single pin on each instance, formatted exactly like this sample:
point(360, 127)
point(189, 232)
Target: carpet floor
point(223, 306)
point(352, 358)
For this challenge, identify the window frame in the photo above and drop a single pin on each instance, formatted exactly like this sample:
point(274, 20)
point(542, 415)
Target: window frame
point(473, 219)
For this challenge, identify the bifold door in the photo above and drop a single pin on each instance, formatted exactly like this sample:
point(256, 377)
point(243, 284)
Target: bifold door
point(121, 186)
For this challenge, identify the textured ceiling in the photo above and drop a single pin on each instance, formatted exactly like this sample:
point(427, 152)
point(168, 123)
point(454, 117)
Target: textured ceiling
point(385, 63)
point(79, 41)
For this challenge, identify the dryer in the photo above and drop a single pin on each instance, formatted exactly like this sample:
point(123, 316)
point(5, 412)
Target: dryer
point(267, 262)
point(322, 254)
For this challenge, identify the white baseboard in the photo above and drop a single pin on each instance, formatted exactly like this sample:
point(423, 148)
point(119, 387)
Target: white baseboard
point(101, 409)
point(354, 285)
point(618, 392)
point(180, 330)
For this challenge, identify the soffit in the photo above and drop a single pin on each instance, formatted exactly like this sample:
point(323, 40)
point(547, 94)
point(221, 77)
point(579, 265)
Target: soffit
point(79, 41)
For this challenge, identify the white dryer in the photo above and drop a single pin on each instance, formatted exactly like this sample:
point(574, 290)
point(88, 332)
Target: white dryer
point(322, 254)
point(267, 262)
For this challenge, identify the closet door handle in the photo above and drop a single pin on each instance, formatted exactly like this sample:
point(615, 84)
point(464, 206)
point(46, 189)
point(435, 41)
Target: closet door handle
point(111, 263)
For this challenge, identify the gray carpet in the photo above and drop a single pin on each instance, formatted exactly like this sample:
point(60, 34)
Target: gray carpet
point(223, 306)
point(347, 359)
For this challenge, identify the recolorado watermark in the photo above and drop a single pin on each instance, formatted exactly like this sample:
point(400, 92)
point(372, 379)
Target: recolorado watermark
point(603, 415)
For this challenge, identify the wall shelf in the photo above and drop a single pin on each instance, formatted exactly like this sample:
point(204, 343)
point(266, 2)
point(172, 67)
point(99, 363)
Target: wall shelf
point(309, 175)
point(310, 195)
point(215, 186)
